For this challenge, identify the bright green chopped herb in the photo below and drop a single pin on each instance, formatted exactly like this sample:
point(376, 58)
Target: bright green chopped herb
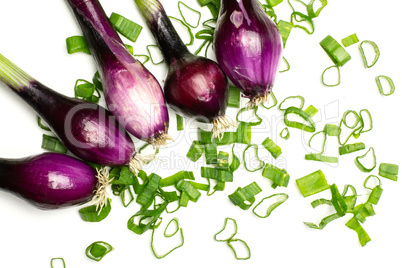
point(380, 87)
point(321, 158)
point(272, 3)
point(362, 211)
point(234, 97)
point(279, 177)
point(323, 80)
point(86, 90)
point(223, 160)
point(287, 65)
point(361, 166)
point(289, 99)
point(284, 28)
point(147, 195)
point(350, 40)
point(272, 148)
point(190, 32)
point(147, 219)
point(389, 171)
point(351, 148)
point(211, 154)
point(314, 13)
point(313, 183)
point(77, 44)
point(96, 80)
point(154, 54)
point(335, 51)
point(260, 164)
point(175, 178)
point(177, 228)
point(179, 120)
point(196, 151)
point(95, 214)
point(130, 48)
point(245, 197)
point(189, 189)
point(61, 260)
point(53, 144)
point(234, 165)
point(183, 8)
point(42, 126)
point(324, 222)
point(97, 250)
point(285, 134)
point(300, 17)
point(376, 51)
point(224, 230)
point(126, 27)
point(310, 127)
point(355, 225)
point(252, 123)
point(216, 174)
point(274, 100)
point(311, 110)
point(234, 243)
point(279, 199)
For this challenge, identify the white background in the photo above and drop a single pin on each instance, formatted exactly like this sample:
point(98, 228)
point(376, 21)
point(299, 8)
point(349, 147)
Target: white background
point(33, 36)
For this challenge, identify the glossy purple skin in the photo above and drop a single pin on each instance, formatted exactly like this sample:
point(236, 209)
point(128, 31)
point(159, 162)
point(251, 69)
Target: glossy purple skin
point(86, 129)
point(195, 86)
point(248, 46)
point(49, 180)
point(132, 93)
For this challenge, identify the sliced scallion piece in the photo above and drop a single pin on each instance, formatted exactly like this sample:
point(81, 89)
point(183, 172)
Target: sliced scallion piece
point(97, 250)
point(272, 3)
point(355, 225)
point(313, 183)
point(278, 198)
point(92, 214)
point(351, 148)
point(126, 27)
point(300, 17)
point(234, 97)
point(361, 166)
point(273, 98)
point(53, 260)
point(279, 177)
point(189, 189)
point(190, 32)
point(211, 154)
point(376, 51)
point(179, 122)
point(323, 75)
point(310, 127)
point(376, 191)
point(324, 221)
point(314, 13)
point(41, 125)
point(53, 144)
point(260, 164)
point(287, 65)
point(234, 165)
point(350, 40)
point(389, 171)
point(196, 151)
point(234, 243)
point(147, 219)
point(362, 211)
point(193, 13)
point(175, 178)
point(77, 44)
point(284, 28)
point(321, 158)
point(285, 134)
point(245, 197)
point(147, 195)
point(289, 99)
point(253, 123)
point(224, 230)
point(154, 54)
point(380, 87)
point(335, 51)
point(272, 148)
point(223, 161)
point(177, 228)
point(311, 110)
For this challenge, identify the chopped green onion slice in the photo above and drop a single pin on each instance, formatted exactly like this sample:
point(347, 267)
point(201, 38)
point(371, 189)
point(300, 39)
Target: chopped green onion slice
point(192, 12)
point(300, 17)
point(350, 40)
point(242, 135)
point(245, 197)
point(337, 201)
point(362, 211)
point(355, 225)
point(272, 3)
point(310, 8)
point(147, 219)
point(361, 130)
point(189, 189)
point(279, 177)
point(285, 134)
point(206, 34)
point(234, 97)
point(324, 74)
point(83, 89)
point(225, 229)
point(235, 243)
point(97, 250)
point(253, 123)
point(130, 48)
point(234, 165)
point(140, 56)
point(200, 186)
point(324, 221)
point(287, 65)
point(379, 85)
point(179, 120)
point(321, 158)
point(273, 98)
point(122, 175)
point(375, 195)
point(351, 148)
point(323, 143)
point(311, 110)
point(126, 27)
point(211, 154)
point(42, 126)
point(295, 124)
point(376, 51)
point(154, 53)
point(77, 44)
point(350, 200)
point(96, 80)
point(175, 178)
point(361, 166)
point(260, 164)
point(196, 151)
point(335, 51)
point(223, 160)
point(147, 195)
point(321, 201)
point(126, 201)
point(301, 105)
point(389, 171)
point(53, 144)
point(53, 260)
point(216, 174)
point(284, 28)
point(191, 41)
point(92, 214)
point(313, 183)
point(166, 235)
point(272, 148)
point(279, 199)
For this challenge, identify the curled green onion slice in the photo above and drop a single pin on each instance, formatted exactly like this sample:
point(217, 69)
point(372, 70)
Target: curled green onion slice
point(142, 58)
point(223, 161)
point(389, 171)
point(225, 230)
point(245, 197)
point(130, 49)
point(253, 123)
point(337, 201)
point(272, 148)
point(295, 124)
point(53, 260)
point(324, 75)
point(310, 8)
point(313, 183)
point(324, 222)
point(174, 221)
point(234, 97)
point(272, 3)
point(189, 189)
point(93, 214)
point(77, 44)
point(179, 120)
point(147, 219)
point(196, 151)
point(273, 98)
point(311, 110)
point(284, 28)
point(376, 191)
point(321, 158)
point(350, 200)
point(355, 225)
point(192, 12)
point(285, 134)
point(287, 99)
point(53, 144)
point(191, 41)
point(234, 165)
point(260, 163)
point(335, 51)
point(216, 174)
point(350, 40)
point(152, 49)
point(211, 154)
point(380, 87)
point(361, 166)
point(287, 65)
point(97, 250)
point(279, 177)
point(96, 80)
point(175, 178)
point(362, 211)
point(126, 27)
point(147, 195)
point(279, 198)
point(351, 148)
point(376, 51)
point(234, 243)
point(300, 17)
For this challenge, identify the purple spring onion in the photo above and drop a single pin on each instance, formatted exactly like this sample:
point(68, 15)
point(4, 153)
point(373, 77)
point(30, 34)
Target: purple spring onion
point(248, 47)
point(195, 86)
point(87, 130)
point(132, 93)
point(49, 180)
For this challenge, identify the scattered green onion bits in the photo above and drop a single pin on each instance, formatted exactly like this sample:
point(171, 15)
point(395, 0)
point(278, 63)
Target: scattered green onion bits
point(97, 250)
point(335, 51)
